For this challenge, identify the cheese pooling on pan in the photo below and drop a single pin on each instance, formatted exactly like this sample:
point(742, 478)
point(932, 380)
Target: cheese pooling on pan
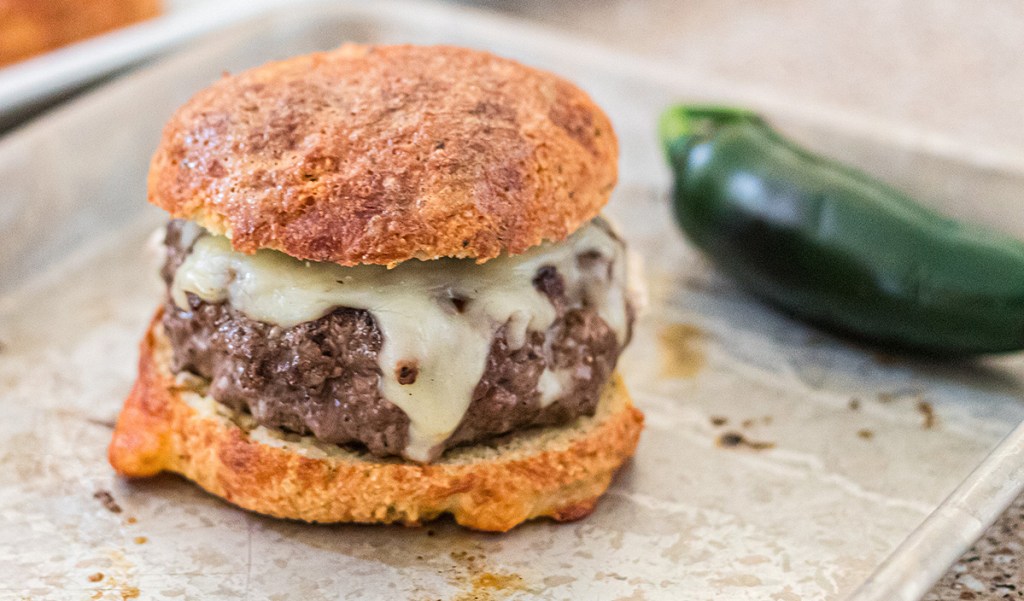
point(437, 318)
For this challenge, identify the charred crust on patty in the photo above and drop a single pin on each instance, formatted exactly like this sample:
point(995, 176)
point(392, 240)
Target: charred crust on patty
point(406, 372)
point(335, 157)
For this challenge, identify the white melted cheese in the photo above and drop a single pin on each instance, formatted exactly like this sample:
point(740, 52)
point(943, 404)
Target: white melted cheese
point(412, 305)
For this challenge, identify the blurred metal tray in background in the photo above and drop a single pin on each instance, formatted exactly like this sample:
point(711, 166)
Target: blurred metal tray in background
point(855, 470)
point(30, 86)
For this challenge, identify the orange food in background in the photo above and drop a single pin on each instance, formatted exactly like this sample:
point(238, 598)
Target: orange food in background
point(30, 27)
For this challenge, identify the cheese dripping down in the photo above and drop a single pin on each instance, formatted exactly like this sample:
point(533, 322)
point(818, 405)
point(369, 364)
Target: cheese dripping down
point(438, 319)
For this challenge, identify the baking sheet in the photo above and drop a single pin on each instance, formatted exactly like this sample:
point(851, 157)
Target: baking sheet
point(843, 464)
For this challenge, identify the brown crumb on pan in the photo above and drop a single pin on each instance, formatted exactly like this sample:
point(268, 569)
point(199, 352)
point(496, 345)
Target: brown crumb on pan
point(747, 423)
point(734, 439)
point(718, 420)
point(130, 592)
point(865, 434)
point(96, 577)
point(730, 439)
point(141, 540)
point(854, 404)
point(107, 499)
point(106, 423)
point(131, 520)
point(926, 410)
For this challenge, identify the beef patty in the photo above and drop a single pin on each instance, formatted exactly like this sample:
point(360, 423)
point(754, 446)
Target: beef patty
point(321, 377)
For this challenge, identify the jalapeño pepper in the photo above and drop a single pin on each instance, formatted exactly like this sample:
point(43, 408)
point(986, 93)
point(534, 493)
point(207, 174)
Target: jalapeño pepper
point(836, 247)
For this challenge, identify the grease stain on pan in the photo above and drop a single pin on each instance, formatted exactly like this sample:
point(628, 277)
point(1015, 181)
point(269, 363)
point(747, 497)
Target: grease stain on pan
point(458, 556)
point(681, 350)
point(479, 582)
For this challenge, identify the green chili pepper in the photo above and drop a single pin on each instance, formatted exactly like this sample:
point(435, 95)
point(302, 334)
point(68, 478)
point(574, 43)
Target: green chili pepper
point(833, 246)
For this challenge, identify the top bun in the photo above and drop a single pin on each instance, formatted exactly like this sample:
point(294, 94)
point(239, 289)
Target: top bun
point(380, 154)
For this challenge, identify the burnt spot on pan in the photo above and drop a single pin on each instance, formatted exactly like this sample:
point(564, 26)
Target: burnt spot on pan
point(730, 440)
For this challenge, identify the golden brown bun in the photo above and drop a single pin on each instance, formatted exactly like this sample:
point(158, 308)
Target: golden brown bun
point(379, 154)
point(559, 472)
point(30, 27)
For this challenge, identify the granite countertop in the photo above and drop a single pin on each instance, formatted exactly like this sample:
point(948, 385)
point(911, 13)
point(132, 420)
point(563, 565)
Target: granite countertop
point(903, 73)
point(993, 568)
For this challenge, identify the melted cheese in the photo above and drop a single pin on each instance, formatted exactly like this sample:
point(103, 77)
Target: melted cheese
point(439, 317)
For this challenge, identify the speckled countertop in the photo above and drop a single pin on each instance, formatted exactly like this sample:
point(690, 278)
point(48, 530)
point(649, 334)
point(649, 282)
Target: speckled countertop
point(993, 568)
point(941, 66)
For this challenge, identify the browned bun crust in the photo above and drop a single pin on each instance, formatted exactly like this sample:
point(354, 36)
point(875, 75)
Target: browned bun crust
point(30, 27)
point(559, 472)
point(379, 154)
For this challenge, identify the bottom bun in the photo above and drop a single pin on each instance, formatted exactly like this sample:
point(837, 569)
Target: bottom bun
point(169, 424)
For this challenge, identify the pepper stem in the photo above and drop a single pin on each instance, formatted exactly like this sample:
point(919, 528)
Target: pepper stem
point(683, 124)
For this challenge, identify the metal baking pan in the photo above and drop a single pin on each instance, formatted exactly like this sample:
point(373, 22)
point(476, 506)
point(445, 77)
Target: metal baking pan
point(863, 476)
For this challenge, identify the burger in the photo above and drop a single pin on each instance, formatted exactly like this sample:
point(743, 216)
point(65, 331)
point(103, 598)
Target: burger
point(390, 294)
